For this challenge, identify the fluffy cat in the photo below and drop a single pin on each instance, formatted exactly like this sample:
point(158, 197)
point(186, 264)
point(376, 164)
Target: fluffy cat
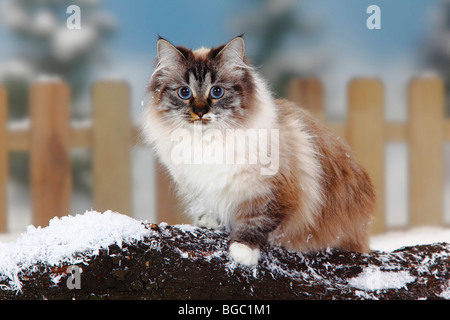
point(316, 196)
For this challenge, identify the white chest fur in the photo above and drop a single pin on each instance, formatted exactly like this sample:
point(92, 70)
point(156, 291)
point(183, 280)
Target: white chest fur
point(208, 171)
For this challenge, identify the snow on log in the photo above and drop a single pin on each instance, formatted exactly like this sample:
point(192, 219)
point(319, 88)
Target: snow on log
point(112, 256)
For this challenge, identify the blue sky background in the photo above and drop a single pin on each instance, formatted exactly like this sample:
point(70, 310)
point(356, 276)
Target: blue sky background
point(353, 50)
point(340, 38)
point(404, 25)
point(206, 22)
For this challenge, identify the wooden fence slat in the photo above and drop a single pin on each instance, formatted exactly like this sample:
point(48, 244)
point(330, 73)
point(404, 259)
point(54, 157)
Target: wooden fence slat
point(81, 138)
point(111, 143)
point(18, 139)
point(50, 164)
point(3, 159)
point(395, 132)
point(308, 93)
point(447, 130)
point(426, 157)
point(50, 137)
point(168, 207)
point(340, 128)
point(366, 136)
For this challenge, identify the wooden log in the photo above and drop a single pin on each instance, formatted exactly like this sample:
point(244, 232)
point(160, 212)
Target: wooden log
point(3, 159)
point(50, 164)
point(111, 143)
point(185, 262)
point(426, 151)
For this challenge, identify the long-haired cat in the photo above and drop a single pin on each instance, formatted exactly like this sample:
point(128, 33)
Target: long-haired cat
point(316, 196)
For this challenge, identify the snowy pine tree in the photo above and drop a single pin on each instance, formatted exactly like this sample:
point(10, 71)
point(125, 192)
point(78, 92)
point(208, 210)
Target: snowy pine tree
point(44, 46)
point(437, 48)
point(283, 40)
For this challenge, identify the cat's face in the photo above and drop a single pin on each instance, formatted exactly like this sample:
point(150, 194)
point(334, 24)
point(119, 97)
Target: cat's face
point(214, 87)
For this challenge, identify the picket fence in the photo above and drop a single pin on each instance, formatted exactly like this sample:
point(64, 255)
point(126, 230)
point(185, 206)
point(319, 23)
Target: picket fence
point(111, 136)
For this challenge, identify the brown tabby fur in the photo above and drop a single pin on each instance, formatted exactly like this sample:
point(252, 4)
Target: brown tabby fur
point(320, 196)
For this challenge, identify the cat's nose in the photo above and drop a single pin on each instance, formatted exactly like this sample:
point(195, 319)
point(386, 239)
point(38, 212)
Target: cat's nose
point(200, 110)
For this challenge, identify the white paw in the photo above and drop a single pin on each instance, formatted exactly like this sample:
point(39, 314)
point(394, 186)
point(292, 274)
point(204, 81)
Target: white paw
point(243, 254)
point(208, 222)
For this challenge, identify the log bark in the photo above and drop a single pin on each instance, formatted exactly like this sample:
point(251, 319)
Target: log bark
point(185, 262)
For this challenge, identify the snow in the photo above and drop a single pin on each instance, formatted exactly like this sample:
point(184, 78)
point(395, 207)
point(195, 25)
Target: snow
point(446, 292)
point(396, 239)
point(63, 239)
point(184, 227)
point(69, 44)
point(48, 78)
point(16, 69)
point(19, 124)
point(13, 15)
point(44, 22)
point(372, 278)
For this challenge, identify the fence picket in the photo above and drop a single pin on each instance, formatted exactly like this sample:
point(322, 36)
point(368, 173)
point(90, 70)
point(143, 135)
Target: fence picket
point(169, 208)
point(50, 137)
point(366, 136)
point(3, 158)
point(426, 157)
point(111, 143)
point(308, 93)
point(50, 165)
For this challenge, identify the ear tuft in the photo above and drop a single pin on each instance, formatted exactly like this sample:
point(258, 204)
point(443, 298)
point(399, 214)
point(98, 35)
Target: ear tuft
point(234, 51)
point(167, 53)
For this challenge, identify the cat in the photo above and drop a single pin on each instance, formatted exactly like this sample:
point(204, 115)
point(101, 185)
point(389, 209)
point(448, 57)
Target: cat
point(317, 196)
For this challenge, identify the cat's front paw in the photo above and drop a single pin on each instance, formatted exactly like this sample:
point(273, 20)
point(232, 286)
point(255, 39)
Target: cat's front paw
point(208, 221)
point(243, 254)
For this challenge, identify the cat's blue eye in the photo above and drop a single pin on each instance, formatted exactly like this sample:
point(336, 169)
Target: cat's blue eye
point(184, 93)
point(216, 92)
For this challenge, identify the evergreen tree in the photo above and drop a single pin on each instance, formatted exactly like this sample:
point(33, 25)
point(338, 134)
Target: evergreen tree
point(281, 37)
point(436, 50)
point(45, 46)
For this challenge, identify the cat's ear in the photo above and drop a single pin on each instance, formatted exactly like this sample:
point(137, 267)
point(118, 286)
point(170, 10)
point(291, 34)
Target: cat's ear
point(233, 52)
point(168, 55)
